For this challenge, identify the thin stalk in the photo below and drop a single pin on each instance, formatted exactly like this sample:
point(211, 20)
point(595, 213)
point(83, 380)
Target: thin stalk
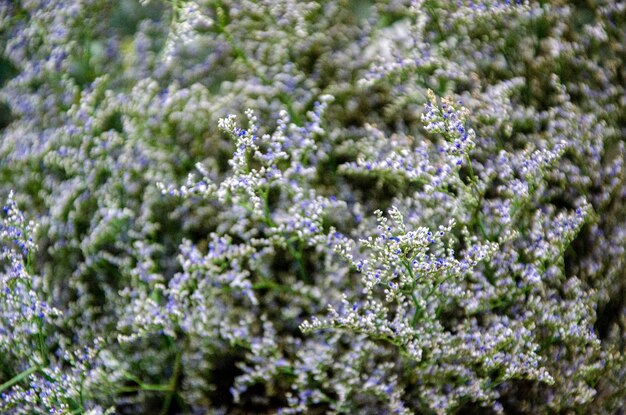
point(172, 384)
point(471, 171)
point(43, 349)
point(477, 217)
point(144, 387)
point(296, 254)
point(418, 309)
point(18, 378)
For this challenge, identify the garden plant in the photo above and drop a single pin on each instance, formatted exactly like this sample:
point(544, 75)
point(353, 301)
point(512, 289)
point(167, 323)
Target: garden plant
point(312, 207)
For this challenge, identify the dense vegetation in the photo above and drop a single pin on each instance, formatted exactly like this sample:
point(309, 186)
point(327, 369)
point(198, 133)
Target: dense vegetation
point(281, 206)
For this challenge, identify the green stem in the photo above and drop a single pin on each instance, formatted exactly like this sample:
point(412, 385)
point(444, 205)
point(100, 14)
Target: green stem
point(271, 285)
point(144, 387)
point(418, 309)
point(471, 171)
point(478, 196)
point(172, 384)
point(81, 393)
point(174, 11)
point(382, 337)
point(296, 254)
point(18, 378)
point(141, 386)
point(43, 350)
point(266, 207)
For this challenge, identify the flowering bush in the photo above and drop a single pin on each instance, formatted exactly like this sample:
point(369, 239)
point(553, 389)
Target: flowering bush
point(284, 206)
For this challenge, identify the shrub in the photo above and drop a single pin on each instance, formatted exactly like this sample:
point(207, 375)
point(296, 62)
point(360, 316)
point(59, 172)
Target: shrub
point(339, 206)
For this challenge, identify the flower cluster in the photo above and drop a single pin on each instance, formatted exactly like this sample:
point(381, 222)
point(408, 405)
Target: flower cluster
point(55, 382)
point(302, 207)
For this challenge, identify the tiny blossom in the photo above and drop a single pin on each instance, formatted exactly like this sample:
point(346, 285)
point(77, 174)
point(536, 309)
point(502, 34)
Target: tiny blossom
point(448, 120)
point(392, 157)
point(23, 327)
